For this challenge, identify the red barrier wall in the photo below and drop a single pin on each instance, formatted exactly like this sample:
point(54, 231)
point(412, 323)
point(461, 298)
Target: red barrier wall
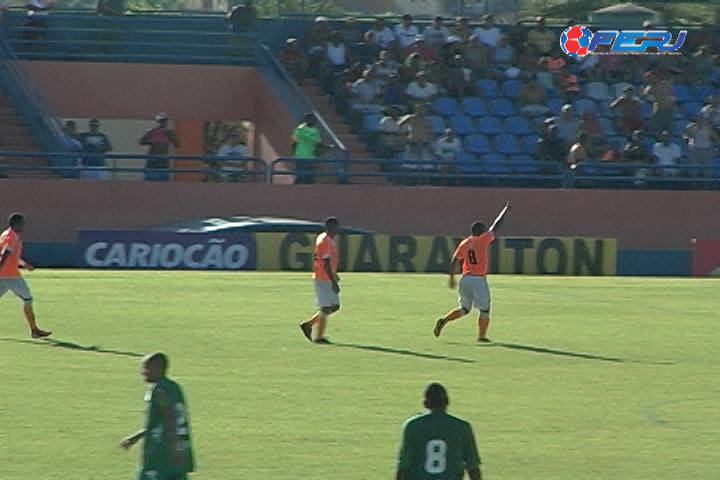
point(642, 220)
point(185, 92)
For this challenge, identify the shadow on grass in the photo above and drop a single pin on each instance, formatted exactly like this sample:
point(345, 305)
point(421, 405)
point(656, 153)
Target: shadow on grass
point(399, 351)
point(562, 353)
point(51, 342)
point(547, 351)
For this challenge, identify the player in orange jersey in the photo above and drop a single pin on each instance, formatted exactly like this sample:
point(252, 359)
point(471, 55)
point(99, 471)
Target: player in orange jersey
point(473, 288)
point(327, 290)
point(10, 263)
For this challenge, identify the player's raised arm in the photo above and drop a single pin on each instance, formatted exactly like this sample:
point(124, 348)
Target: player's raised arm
point(500, 218)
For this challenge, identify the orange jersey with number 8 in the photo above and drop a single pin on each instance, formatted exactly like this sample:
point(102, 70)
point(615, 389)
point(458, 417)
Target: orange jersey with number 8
point(473, 253)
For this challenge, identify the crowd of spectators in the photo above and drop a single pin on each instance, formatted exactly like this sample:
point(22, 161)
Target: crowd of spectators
point(399, 70)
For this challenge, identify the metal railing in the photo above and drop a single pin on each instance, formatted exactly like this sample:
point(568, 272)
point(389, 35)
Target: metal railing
point(74, 164)
point(522, 174)
point(297, 102)
point(29, 101)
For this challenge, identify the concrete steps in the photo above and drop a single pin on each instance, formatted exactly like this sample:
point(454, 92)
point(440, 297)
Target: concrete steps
point(356, 149)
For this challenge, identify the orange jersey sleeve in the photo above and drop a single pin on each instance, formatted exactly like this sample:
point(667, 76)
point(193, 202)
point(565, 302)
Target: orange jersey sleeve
point(11, 246)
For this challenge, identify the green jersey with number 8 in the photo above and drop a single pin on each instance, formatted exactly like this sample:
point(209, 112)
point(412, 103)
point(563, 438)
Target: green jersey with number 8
point(437, 446)
point(157, 457)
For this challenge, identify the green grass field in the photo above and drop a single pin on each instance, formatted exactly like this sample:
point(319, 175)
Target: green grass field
point(602, 378)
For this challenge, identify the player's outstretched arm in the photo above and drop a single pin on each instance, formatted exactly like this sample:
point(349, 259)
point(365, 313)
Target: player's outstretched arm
point(451, 271)
point(500, 218)
point(27, 265)
point(132, 439)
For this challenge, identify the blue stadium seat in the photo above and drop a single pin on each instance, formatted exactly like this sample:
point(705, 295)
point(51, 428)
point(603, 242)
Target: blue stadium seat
point(446, 107)
point(607, 125)
point(585, 104)
point(691, 109)
point(529, 144)
point(681, 93)
point(716, 167)
point(502, 107)
point(488, 88)
point(701, 92)
point(474, 106)
point(679, 127)
point(510, 88)
point(468, 164)
point(462, 125)
point(490, 126)
point(507, 144)
point(645, 110)
point(437, 124)
point(371, 122)
point(519, 126)
point(496, 163)
point(477, 144)
point(524, 164)
point(554, 104)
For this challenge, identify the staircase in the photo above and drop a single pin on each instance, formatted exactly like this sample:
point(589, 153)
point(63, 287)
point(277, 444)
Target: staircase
point(15, 137)
point(356, 149)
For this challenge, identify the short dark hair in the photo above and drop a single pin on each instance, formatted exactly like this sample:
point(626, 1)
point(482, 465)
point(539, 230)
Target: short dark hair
point(331, 221)
point(309, 118)
point(477, 228)
point(436, 397)
point(15, 218)
point(159, 359)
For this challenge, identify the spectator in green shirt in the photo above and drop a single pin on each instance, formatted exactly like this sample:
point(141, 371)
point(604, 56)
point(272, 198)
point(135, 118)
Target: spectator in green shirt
point(305, 138)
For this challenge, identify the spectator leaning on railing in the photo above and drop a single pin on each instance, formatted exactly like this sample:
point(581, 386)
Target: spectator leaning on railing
point(97, 144)
point(159, 140)
point(668, 154)
point(305, 140)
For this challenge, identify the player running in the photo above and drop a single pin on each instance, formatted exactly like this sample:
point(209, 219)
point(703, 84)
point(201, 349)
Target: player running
point(473, 287)
point(327, 290)
point(167, 453)
point(10, 262)
point(436, 445)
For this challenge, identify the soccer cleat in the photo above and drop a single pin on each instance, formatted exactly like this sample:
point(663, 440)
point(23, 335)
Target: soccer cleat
point(322, 341)
point(37, 333)
point(484, 340)
point(306, 330)
point(438, 327)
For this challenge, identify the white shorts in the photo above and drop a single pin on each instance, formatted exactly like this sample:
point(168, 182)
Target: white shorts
point(474, 292)
point(324, 295)
point(16, 285)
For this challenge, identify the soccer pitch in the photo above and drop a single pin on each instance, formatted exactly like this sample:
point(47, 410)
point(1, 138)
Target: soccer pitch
point(602, 378)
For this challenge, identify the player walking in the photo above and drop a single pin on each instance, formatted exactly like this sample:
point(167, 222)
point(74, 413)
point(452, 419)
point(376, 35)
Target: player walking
point(167, 452)
point(436, 445)
point(327, 290)
point(473, 287)
point(10, 260)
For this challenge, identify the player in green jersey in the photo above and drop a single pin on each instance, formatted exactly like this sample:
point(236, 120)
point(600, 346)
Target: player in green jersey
point(436, 445)
point(167, 451)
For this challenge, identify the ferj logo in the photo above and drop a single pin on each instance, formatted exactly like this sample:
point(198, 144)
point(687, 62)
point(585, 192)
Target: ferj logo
point(578, 41)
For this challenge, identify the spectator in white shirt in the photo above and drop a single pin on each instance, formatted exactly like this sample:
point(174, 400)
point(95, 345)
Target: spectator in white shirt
point(667, 154)
point(380, 35)
point(367, 93)
point(447, 149)
point(406, 32)
point(336, 52)
point(487, 34)
point(234, 154)
point(391, 139)
point(436, 34)
point(421, 90)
